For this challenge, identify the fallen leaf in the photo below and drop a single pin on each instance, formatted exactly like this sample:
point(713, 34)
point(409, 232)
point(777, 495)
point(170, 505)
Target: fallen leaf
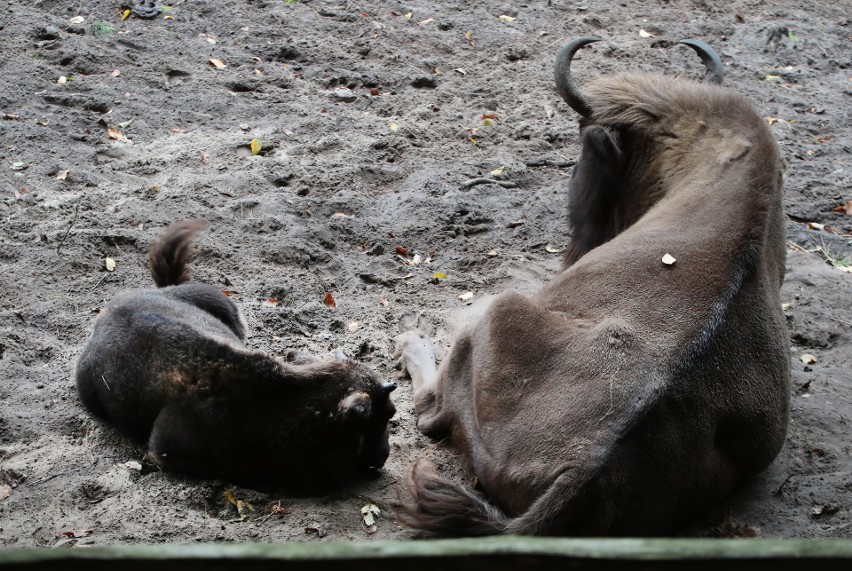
point(369, 513)
point(426, 21)
point(116, 135)
point(393, 127)
point(552, 249)
point(786, 306)
point(469, 37)
point(645, 34)
point(383, 300)
point(115, 73)
point(772, 78)
point(133, 465)
point(668, 259)
point(126, 124)
point(329, 301)
point(270, 302)
point(506, 19)
point(439, 276)
point(415, 261)
point(489, 116)
point(342, 215)
point(109, 264)
point(5, 491)
point(844, 208)
point(218, 63)
point(771, 120)
point(353, 326)
point(460, 70)
point(491, 253)
point(256, 146)
point(498, 171)
point(466, 296)
point(808, 359)
point(77, 20)
point(125, 15)
point(374, 91)
point(520, 221)
point(827, 509)
point(62, 175)
point(226, 292)
point(408, 16)
point(63, 79)
point(276, 508)
point(402, 251)
point(18, 166)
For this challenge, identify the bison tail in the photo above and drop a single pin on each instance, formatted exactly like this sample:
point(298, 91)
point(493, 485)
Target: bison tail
point(169, 256)
point(442, 507)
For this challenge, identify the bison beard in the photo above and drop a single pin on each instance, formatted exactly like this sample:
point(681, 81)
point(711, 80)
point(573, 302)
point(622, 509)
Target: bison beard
point(628, 396)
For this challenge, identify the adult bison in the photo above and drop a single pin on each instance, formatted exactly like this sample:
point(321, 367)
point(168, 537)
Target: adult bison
point(651, 375)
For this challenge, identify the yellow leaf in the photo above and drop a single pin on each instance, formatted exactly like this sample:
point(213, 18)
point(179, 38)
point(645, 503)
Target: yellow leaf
point(230, 497)
point(499, 171)
point(394, 127)
point(125, 15)
point(168, 17)
point(786, 306)
point(218, 63)
point(109, 264)
point(256, 147)
point(506, 19)
point(772, 78)
point(439, 276)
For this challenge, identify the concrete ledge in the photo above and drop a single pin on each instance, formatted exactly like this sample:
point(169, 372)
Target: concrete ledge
point(493, 554)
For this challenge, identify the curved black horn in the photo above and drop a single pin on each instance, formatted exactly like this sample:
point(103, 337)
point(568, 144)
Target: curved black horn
point(564, 84)
point(709, 58)
point(388, 388)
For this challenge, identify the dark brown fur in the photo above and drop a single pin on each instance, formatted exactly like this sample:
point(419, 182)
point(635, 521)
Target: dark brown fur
point(168, 366)
point(629, 395)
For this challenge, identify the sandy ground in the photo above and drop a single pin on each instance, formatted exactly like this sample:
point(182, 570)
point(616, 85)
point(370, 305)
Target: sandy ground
point(370, 116)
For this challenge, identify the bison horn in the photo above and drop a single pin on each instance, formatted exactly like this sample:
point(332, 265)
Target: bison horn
point(388, 388)
point(710, 58)
point(564, 84)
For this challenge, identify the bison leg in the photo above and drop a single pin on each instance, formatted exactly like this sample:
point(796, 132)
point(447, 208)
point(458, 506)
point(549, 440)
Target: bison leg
point(415, 358)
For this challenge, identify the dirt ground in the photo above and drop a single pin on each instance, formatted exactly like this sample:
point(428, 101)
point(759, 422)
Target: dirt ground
point(371, 116)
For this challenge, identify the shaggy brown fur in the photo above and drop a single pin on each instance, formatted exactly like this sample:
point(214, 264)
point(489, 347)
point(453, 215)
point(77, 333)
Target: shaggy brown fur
point(629, 395)
point(169, 367)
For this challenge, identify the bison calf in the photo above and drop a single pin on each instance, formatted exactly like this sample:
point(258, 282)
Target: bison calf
point(168, 366)
point(634, 391)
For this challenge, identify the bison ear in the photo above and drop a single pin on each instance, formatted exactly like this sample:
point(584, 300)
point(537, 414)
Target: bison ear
point(356, 406)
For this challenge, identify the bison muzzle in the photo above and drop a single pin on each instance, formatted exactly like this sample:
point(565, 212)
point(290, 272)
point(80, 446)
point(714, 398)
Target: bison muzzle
point(630, 394)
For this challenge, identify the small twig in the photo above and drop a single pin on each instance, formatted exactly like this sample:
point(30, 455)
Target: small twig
point(779, 489)
point(76, 212)
point(99, 281)
point(840, 320)
point(48, 478)
point(105, 383)
point(483, 180)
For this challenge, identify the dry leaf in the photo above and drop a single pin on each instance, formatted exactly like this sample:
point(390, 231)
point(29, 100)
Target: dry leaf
point(133, 465)
point(439, 276)
point(771, 120)
point(402, 251)
point(844, 208)
point(491, 253)
point(469, 37)
point(393, 127)
point(808, 359)
point(383, 300)
point(369, 513)
point(116, 135)
point(329, 301)
point(125, 15)
point(506, 19)
point(645, 34)
point(552, 249)
point(115, 73)
point(5, 491)
point(772, 78)
point(408, 16)
point(498, 171)
point(460, 70)
point(62, 79)
point(218, 63)
point(109, 264)
point(786, 306)
point(76, 20)
point(466, 296)
point(270, 302)
point(255, 146)
point(62, 175)
point(426, 21)
point(668, 259)
point(353, 326)
point(489, 116)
